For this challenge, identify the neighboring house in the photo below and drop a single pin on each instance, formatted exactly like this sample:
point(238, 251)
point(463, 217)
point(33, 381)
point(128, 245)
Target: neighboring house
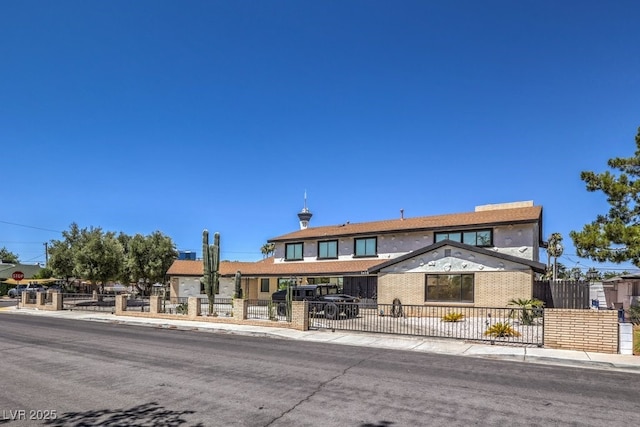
point(622, 291)
point(185, 278)
point(29, 270)
point(480, 258)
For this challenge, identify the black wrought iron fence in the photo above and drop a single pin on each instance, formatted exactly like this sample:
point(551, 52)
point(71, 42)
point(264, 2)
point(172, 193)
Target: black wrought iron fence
point(88, 302)
point(516, 325)
point(265, 310)
point(137, 303)
point(222, 307)
point(175, 305)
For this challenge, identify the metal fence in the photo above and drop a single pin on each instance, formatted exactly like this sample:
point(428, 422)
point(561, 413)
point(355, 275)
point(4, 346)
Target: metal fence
point(222, 307)
point(88, 302)
point(265, 310)
point(137, 303)
point(516, 325)
point(175, 305)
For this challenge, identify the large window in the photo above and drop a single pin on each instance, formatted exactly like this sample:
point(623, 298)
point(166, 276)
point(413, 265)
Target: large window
point(473, 238)
point(293, 251)
point(366, 247)
point(328, 249)
point(449, 288)
point(264, 285)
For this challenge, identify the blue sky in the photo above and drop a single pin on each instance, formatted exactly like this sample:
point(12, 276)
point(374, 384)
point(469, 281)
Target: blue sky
point(183, 115)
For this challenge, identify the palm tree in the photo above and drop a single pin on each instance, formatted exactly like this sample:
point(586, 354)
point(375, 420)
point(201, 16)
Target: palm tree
point(268, 249)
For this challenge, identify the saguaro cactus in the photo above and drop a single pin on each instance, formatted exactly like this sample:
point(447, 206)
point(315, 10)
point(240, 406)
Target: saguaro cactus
point(211, 259)
point(238, 282)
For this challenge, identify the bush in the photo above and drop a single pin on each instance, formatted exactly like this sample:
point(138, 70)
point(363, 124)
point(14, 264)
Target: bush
point(182, 308)
point(633, 313)
point(528, 311)
point(501, 329)
point(452, 317)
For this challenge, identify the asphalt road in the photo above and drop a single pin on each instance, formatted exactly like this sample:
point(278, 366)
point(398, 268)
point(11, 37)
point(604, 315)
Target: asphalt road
point(104, 374)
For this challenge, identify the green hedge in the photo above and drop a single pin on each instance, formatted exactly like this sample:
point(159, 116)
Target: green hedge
point(4, 288)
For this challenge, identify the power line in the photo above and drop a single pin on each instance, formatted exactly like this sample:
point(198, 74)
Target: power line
point(30, 226)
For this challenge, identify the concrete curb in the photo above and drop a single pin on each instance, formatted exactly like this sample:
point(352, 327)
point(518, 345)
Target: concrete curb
point(452, 347)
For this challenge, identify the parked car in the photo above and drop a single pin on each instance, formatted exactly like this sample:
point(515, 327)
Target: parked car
point(17, 291)
point(322, 298)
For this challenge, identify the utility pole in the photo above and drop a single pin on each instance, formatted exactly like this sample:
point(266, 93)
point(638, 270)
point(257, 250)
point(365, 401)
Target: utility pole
point(46, 253)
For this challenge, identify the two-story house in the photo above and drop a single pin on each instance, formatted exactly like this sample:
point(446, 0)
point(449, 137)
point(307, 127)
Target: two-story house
point(480, 258)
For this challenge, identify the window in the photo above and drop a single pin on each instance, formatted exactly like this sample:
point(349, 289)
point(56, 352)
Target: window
point(264, 285)
point(365, 247)
point(328, 249)
point(473, 238)
point(449, 288)
point(293, 251)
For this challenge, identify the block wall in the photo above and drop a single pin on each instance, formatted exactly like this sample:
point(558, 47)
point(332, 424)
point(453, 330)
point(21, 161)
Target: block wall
point(585, 330)
point(496, 289)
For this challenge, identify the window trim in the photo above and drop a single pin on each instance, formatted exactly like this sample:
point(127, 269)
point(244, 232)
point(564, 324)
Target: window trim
point(286, 251)
point(327, 257)
point(458, 301)
point(262, 282)
point(462, 233)
point(355, 247)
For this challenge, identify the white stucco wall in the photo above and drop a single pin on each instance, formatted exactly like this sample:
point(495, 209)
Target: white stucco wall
point(190, 287)
point(516, 240)
point(459, 261)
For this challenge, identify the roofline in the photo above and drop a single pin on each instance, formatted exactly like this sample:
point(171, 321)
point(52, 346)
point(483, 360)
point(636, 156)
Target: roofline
point(536, 266)
point(407, 230)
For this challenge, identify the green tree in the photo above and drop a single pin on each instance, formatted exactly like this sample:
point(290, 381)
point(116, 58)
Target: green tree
point(8, 257)
point(62, 253)
point(44, 273)
point(614, 236)
point(100, 257)
point(148, 258)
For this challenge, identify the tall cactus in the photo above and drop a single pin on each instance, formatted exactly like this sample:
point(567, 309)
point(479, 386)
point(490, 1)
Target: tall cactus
point(238, 282)
point(211, 259)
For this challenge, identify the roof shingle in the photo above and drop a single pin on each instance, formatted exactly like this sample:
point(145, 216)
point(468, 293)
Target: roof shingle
point(468, 219)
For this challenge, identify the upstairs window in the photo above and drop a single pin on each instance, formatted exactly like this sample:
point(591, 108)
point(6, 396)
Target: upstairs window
point(481, 238)
point(293, 252)
point(366, 247)
point(328, 249)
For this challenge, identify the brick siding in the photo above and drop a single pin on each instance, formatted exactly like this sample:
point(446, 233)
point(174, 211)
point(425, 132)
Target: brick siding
point(491, 289)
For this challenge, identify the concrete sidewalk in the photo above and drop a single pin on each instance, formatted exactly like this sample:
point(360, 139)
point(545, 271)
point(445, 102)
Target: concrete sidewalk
point(397, 342)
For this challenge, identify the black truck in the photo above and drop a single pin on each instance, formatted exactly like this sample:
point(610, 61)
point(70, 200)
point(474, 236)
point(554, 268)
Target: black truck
point(322, 298)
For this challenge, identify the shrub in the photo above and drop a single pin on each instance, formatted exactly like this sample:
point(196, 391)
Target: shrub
point(634, 314)
point(452, 317)
point(182, 308)
point(528, 311)
point(501, 329)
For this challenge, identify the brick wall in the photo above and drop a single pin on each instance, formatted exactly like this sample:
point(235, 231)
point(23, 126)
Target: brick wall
point(299, 314)
point(496, 289)
point(492, 289)
point(586, 330)
point(408, 287)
